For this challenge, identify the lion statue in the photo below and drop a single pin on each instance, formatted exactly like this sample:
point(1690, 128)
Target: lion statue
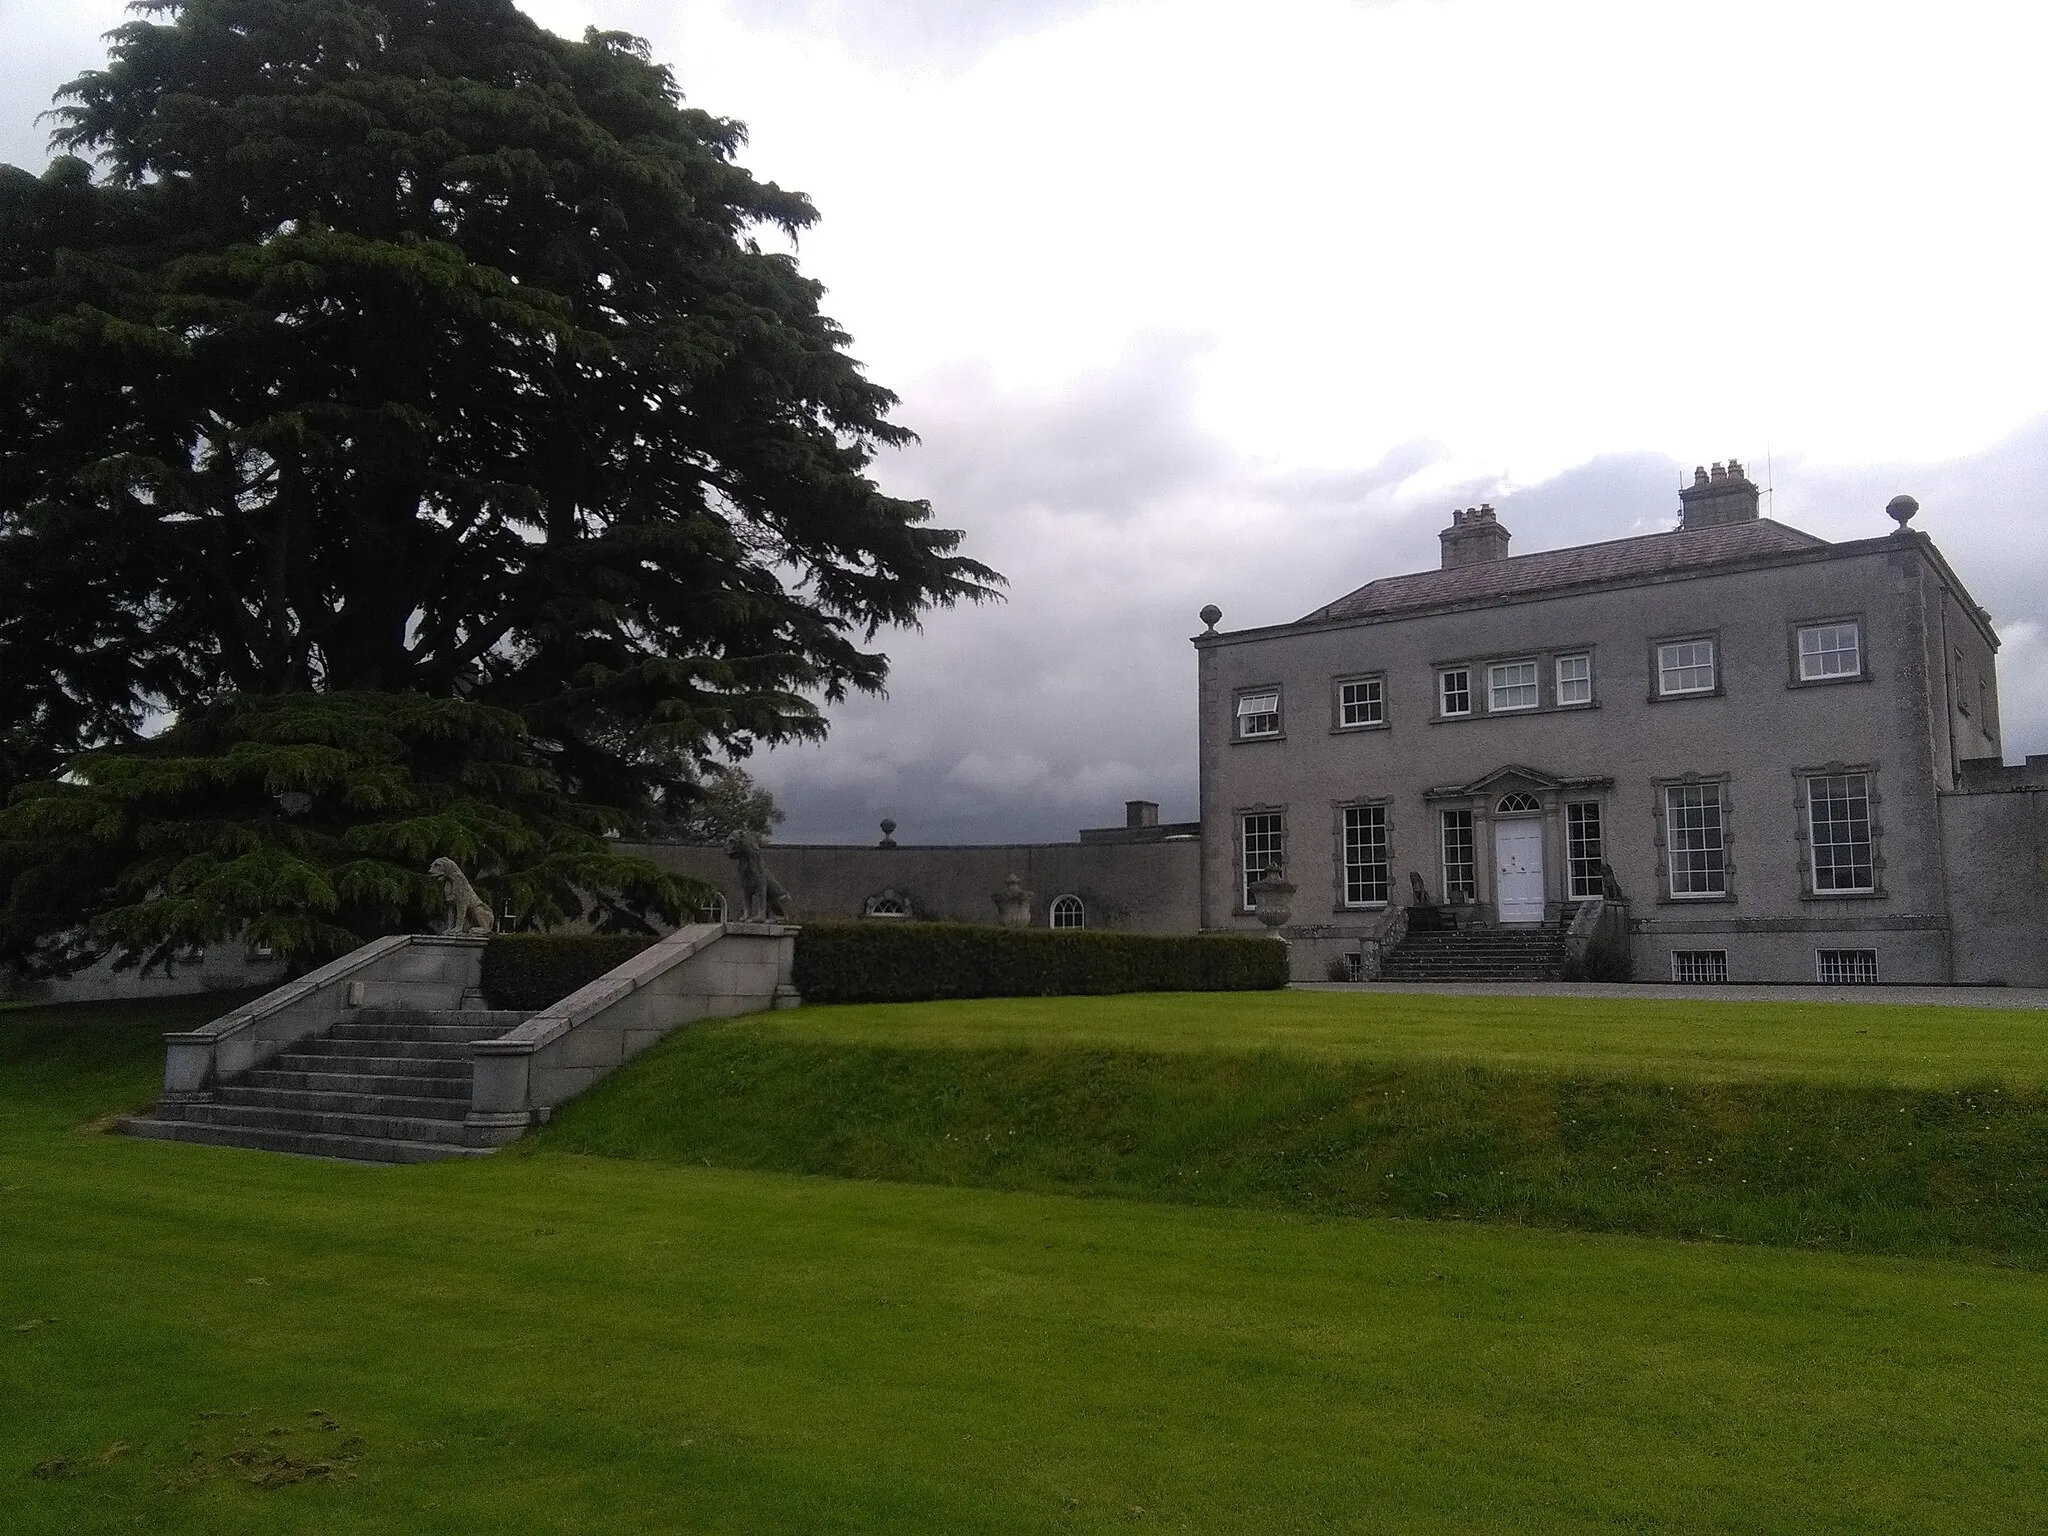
point(465, 911)
point(761, 894)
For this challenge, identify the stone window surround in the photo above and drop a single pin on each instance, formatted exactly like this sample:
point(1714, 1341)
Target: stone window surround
point(1863, 675)
point(1546, 683)
point(1237, 736)
point(1661, 842)
point(1802, 834)
point(1680, 637)
point(1337, 725)
point(1338, 904)
point(1237, 817)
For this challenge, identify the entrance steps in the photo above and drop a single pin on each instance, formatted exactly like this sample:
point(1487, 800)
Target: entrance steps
point(1478, 954)
point(388, 1086)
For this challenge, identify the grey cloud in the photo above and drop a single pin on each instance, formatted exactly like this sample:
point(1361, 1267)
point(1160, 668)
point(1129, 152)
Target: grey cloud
point(1116, 515)
point(953, 32)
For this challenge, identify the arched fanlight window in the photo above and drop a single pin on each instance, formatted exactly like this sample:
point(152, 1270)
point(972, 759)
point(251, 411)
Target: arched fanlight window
point(713, 911)
point(887, 904)
point(1515, 804)
point(1067, 912)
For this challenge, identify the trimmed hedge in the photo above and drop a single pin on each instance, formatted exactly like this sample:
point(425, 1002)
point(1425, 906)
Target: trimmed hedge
point(890, 962)
point(535, 970)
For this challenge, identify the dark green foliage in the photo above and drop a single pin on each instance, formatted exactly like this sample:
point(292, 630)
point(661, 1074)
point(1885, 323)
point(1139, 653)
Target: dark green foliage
point(399, 347)
point(890, 962)
point(1890, 1170)
point(307, 822)
point(535, 970)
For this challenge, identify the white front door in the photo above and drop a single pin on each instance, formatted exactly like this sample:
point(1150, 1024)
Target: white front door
point(1518, 860)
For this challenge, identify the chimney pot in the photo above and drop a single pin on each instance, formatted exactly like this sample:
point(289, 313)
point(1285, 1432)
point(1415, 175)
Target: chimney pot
point(1474, 538)
point(1727, 495)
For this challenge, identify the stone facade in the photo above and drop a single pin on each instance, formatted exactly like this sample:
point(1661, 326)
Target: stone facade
point(1692, 708)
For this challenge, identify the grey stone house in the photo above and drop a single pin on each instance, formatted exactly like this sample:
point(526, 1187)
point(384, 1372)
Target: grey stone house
point(1746, 730)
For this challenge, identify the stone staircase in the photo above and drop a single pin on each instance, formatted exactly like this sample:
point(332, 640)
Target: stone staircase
point(1478, 954)
point(388, 1086)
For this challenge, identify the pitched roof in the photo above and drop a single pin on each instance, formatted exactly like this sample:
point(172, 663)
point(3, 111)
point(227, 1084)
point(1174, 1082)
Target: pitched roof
point(1646, 556)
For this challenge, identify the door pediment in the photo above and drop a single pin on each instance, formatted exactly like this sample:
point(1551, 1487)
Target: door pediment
point(1516, 776)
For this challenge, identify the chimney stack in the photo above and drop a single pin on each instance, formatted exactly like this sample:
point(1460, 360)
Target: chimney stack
point(1141, 813)
point(1473, 538)
point(1727, 495)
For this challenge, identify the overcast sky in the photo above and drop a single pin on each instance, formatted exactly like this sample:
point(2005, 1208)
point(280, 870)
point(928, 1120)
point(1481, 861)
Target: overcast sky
point(1233, 303)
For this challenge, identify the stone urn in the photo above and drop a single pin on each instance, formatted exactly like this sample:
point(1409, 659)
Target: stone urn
point(1013, 904)
point(1273, 899)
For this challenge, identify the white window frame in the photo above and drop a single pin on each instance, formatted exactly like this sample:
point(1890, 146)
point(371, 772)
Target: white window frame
point(1714, 960)
point(1470, 884)
point(1356, 868)
point(1245, 712)
point(1564, 699)
point(1860, 789)
point(1667, 664)
point(1495, 687)
point(1068, 905)
point(1711, 793)
point(1821, 958)
point(1574, 858)
point(1246, 872)
point(1814, 661)
point(1372, 705)
point(715, 905)
point(1444, 690)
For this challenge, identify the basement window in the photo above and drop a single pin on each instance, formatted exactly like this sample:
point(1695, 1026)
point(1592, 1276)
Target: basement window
point(1699, 965)
point(1846, 967)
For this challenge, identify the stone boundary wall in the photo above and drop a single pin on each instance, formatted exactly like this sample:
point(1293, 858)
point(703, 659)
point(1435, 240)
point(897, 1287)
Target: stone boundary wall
point(1130, 887)
point(1995, 860)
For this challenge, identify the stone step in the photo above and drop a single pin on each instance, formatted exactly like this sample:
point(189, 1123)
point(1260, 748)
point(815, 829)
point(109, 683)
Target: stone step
point(417, 1050)
point(403, 1106)
point(1394, 971)
point(410, 1068)
point(421, 1030)
point(250, 1117)
point(355, 1149)
point(445, 1085)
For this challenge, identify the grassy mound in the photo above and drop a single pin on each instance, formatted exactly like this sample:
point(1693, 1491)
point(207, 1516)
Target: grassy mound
point(1861, 1167)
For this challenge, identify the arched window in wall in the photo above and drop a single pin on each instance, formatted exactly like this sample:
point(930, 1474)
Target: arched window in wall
point(713, 911)
point(1067, 912)
point(1517, 804)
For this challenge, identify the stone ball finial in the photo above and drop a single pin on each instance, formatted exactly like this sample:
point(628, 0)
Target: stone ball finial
point(1209, 616)
point(1900, 509)
point(888, 832)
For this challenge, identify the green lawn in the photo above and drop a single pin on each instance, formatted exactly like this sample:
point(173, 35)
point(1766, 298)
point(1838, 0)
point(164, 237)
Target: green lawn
point(553, 1342)
point(1898, 1044)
